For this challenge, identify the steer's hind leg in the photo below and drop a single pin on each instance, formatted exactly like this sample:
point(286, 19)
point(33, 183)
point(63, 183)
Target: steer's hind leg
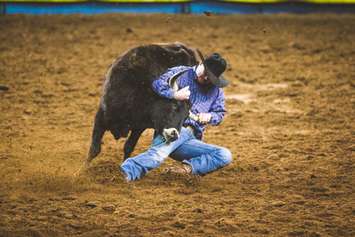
point(97, 134)
point(131, 142)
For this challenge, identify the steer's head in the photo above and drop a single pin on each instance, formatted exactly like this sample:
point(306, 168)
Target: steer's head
point(168, 117)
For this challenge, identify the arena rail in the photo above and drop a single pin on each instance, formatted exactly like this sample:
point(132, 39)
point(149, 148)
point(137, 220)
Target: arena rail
point(175, 6)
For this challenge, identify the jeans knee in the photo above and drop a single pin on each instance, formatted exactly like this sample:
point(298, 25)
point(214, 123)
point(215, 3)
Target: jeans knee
point(225, 155)
point(158, 155)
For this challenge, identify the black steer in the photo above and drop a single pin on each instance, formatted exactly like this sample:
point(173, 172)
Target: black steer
point(129, 104)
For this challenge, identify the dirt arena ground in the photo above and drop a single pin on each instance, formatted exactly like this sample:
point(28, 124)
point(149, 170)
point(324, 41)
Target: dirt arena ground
point(289, 126)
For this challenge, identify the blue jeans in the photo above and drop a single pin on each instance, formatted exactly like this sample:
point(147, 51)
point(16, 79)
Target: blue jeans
point(202, 157)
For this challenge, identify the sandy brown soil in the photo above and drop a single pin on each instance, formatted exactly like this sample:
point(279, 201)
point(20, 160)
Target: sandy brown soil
point(290, 128)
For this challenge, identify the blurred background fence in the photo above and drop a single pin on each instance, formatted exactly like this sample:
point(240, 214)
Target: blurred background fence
point(174, 6)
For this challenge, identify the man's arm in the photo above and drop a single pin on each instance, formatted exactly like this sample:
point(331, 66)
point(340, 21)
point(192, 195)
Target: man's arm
point(217, 110)
point(161, 85)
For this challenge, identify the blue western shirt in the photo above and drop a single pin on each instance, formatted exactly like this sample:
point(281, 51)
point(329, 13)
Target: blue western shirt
point(210, 101)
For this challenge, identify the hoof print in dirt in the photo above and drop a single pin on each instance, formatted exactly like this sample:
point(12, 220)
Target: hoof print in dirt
point(91, 204)
point(4, 88)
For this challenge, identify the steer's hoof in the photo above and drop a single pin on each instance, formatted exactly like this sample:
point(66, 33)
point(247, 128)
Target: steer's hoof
point(93, 152)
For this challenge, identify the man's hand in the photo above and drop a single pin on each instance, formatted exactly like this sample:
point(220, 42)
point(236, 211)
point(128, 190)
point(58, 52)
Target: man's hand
point(204, 118)
point(182, 94)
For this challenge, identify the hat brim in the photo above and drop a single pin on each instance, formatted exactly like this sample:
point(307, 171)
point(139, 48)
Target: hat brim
point(217, 81)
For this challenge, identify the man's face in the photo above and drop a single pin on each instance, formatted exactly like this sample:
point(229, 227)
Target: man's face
point(203, 79)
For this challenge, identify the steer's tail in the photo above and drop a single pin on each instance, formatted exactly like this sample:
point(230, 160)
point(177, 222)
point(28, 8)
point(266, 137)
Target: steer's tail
point(97, 134)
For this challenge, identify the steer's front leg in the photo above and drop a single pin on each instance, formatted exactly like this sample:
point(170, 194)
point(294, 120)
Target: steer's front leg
point(131, 142)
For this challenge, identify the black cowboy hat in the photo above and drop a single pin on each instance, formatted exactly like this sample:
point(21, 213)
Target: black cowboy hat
point(215, 65)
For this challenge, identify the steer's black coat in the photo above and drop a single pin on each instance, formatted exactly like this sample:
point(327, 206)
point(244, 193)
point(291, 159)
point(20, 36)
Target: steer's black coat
point(129, 104)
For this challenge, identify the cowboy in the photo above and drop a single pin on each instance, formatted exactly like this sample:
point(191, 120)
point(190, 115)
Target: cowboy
point(201, 84)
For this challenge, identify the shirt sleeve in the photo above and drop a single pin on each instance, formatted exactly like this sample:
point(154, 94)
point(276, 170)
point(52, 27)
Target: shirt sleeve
point(161, 85)
point(217, 109)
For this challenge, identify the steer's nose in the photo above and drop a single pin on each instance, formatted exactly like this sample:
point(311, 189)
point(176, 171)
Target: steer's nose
point(170, 134)
point(174, 135)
